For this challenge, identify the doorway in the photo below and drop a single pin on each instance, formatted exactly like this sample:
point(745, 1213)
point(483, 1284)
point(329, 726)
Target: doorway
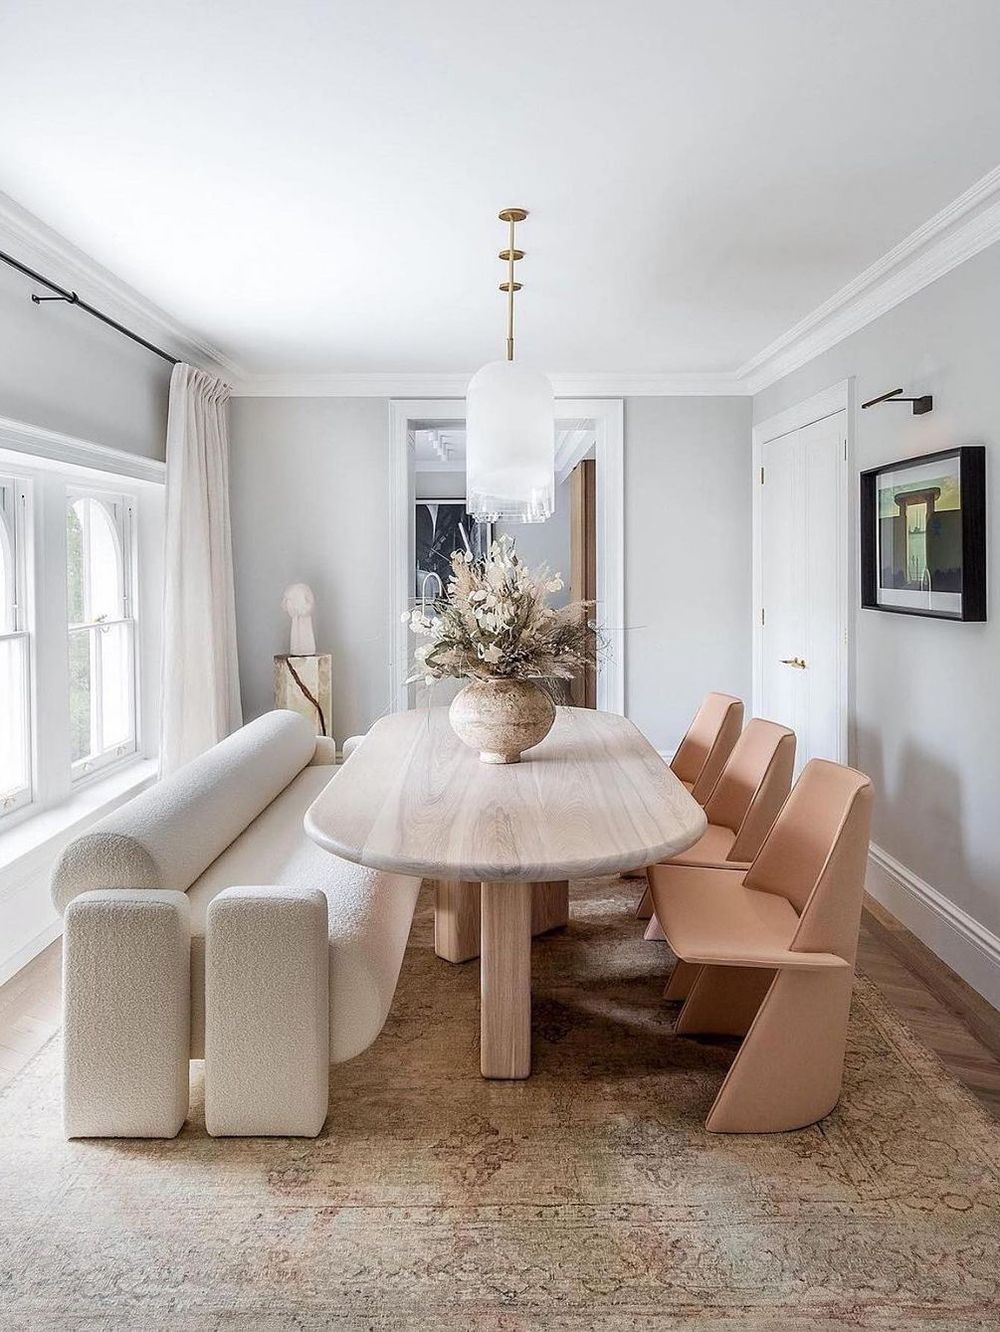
point(583, 542)
point(801, 575)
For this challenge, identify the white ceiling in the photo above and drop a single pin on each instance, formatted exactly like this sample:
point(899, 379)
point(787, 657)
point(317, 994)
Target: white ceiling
point(313, 186)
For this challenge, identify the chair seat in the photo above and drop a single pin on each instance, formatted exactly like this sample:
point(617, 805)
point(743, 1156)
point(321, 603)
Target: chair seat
point(710, 918)
point(711, 848)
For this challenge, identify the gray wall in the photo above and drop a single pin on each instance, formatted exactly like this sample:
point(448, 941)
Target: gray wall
point(309, 480)
point(687, 558)
point(310, 486)
point(927, 709)
point(65, 371)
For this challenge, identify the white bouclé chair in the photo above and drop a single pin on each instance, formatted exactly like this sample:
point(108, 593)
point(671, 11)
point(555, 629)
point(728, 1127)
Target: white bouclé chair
point(229, 820)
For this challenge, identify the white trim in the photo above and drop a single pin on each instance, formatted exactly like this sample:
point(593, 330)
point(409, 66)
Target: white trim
point(447, 385)
point(572, 451)
point(29, 240)
point(825, 403)
point(608, 418)
point(964, 944)
point(958, 232)
point(837, 398)
point(68, 451)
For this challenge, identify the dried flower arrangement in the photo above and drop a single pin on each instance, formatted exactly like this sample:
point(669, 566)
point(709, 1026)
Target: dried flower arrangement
point(495, 623)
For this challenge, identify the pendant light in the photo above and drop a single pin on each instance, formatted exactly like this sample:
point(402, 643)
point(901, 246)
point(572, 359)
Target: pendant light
point(510, 426)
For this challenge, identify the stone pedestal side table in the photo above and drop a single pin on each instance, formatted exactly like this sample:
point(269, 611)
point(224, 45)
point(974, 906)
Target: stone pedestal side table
point(304, 684)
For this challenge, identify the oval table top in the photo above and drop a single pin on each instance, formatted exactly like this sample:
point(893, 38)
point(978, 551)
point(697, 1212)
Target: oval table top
point(593, 798)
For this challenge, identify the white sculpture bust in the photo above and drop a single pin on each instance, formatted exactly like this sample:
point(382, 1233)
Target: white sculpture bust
point(298, 602)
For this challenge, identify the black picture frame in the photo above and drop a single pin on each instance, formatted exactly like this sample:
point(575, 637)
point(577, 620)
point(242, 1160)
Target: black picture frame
point(442, 526)
point(969, 602)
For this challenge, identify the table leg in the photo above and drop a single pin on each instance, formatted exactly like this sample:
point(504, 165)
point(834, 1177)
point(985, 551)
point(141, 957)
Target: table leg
point(456, 920)
point(457, 911)
point(505, 980)
point(549, 906)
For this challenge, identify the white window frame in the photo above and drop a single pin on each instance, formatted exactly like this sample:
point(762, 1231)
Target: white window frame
point(122, 509)
point(15, 493)
point(49, 465)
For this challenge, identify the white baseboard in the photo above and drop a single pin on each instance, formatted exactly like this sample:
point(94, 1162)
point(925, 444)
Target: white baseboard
point(13, 963)
point(30, 921)
point(968, 947)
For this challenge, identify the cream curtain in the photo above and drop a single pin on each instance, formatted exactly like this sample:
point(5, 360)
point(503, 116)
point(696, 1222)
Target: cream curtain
point(200, 676)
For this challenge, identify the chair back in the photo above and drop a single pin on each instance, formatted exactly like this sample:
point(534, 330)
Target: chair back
point(753, 786)
point(816, 854)
point(709, 741)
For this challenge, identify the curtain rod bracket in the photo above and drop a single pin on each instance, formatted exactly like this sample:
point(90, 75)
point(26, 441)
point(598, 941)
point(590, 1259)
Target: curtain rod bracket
point(71, 299)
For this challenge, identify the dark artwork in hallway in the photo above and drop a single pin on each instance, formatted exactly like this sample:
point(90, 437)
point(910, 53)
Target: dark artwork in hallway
point(441, 528)
point(923, 536)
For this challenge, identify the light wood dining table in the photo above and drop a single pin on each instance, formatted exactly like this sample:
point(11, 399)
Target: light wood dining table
point(593, 798)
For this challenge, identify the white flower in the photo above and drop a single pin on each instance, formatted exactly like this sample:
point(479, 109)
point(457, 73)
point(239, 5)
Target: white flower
point(492, 654)
point(554, 584)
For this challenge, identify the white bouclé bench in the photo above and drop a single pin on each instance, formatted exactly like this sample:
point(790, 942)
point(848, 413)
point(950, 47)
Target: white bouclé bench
point(201, 922)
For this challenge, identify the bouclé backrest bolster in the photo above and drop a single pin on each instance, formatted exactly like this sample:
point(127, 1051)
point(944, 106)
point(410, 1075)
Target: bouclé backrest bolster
point(169, 835)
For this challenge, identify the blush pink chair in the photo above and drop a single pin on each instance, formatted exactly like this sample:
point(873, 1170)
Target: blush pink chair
point(770, 952)
point(744, 801)
point(709, 741)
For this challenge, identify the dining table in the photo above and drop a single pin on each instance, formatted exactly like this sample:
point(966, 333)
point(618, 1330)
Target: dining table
point(502, 842)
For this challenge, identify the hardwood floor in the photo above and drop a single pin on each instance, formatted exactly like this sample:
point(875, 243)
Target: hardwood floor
point(29, 1010)
point(952, 1020)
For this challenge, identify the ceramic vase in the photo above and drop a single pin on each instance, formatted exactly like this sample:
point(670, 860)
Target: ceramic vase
point(501, 718)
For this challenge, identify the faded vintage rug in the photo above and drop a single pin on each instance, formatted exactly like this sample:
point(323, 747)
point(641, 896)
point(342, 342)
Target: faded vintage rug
point(589, 1197)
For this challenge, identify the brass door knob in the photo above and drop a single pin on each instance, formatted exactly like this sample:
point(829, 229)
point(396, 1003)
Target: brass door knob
point(797, 662)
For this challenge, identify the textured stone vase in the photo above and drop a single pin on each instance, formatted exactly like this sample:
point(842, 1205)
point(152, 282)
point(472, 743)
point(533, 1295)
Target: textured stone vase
point(501, 718)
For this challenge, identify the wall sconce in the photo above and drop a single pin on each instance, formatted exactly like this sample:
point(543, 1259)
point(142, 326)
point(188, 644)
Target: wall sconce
point(920, 405)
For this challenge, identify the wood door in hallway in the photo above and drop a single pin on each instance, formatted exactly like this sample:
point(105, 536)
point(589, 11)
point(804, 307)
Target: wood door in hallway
point(803, 541)
point(583, 561)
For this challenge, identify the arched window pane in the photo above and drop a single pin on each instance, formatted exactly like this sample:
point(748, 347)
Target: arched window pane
point(101, 637)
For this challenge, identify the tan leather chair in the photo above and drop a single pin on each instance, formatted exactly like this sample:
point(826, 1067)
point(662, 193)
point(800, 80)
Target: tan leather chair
point(709, 741)
point(703, 752)
point(744, 802)
point(769, 954)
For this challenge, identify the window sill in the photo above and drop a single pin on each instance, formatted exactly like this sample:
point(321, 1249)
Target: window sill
point(45, 833)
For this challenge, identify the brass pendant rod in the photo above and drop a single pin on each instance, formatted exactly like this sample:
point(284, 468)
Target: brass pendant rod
point(510, 256)
point(510, 291)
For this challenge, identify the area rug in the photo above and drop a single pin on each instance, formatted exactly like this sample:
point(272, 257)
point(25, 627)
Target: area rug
point(589, 1197)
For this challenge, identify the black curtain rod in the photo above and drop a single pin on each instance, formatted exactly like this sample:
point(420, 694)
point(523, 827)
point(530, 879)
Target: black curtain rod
point(73, 299)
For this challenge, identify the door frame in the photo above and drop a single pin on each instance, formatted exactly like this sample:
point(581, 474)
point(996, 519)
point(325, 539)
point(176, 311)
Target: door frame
point(839, 397)
point(608, 417)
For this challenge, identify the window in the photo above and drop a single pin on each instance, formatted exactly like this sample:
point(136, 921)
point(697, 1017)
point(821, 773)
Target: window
point(15, 680)
point(101, 630)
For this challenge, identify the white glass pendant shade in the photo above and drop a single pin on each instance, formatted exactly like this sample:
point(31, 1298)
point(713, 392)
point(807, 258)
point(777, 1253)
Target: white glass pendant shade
point(510, 444)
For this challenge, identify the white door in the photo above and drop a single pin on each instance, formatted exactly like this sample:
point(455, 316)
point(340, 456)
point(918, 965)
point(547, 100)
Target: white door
point(802, 552)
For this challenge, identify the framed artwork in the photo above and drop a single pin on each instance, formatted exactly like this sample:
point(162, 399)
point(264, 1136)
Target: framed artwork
point(441, 527)
point(923, 535)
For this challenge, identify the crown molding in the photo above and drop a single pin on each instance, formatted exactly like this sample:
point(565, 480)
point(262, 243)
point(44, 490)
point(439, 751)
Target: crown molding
point(29, 240)
point(408, 385)
point(53, 448)
point(958, 232)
